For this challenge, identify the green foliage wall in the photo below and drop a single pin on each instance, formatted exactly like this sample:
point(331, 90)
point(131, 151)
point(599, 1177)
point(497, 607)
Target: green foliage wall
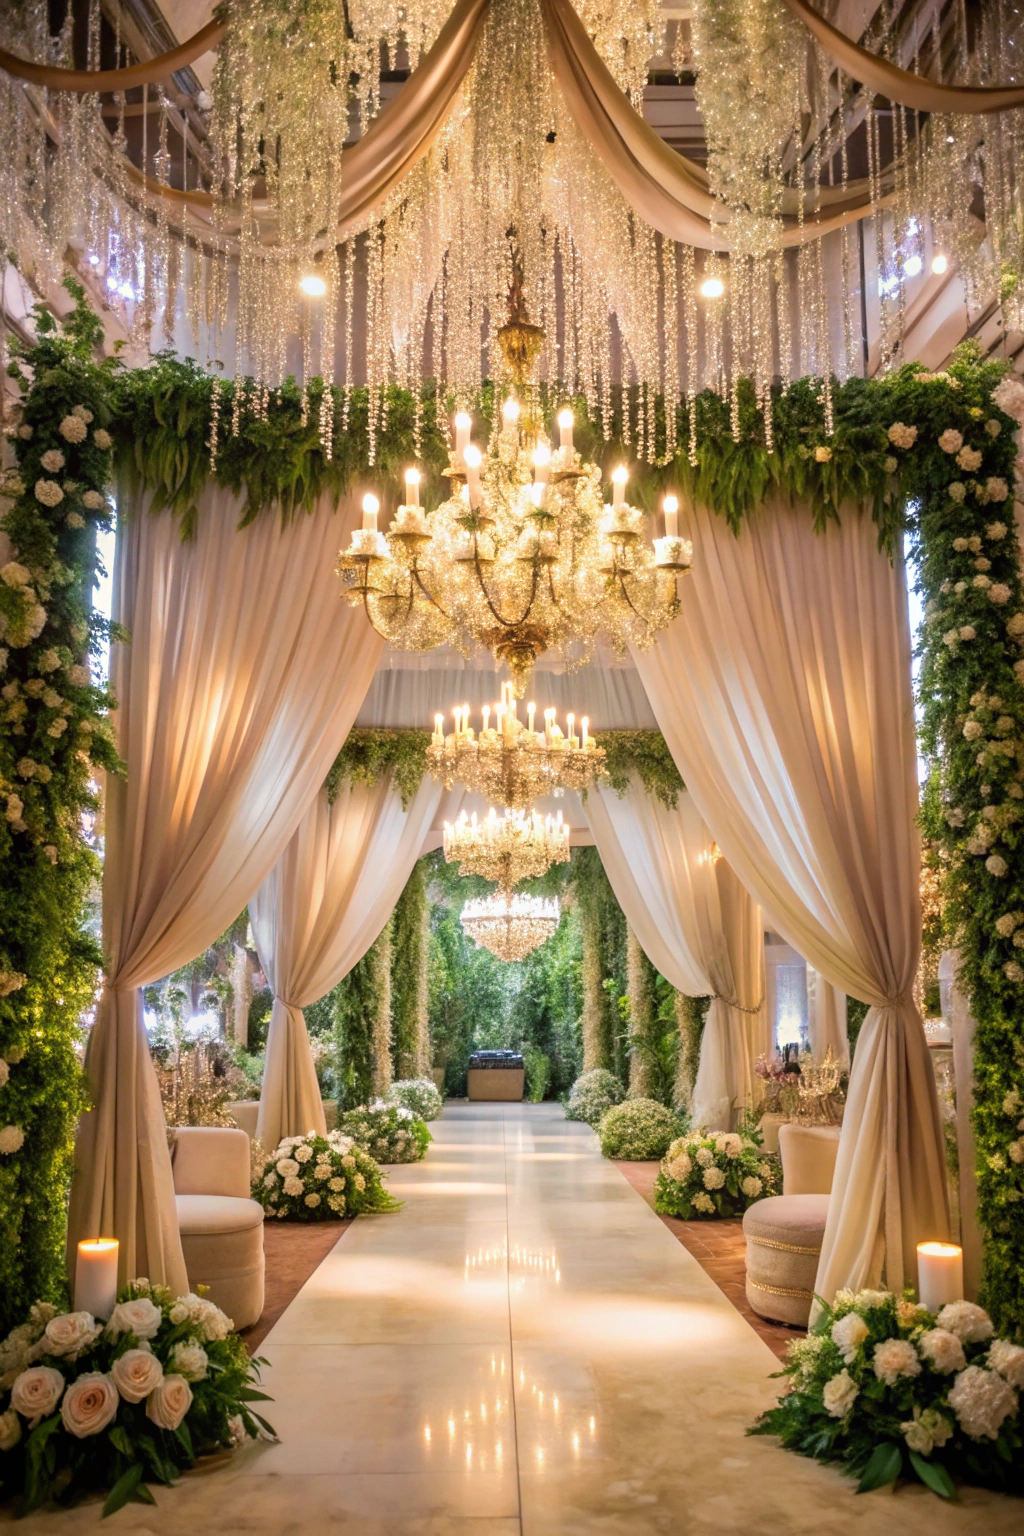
point(54, 737)
point(410, 988)
point(603, 934)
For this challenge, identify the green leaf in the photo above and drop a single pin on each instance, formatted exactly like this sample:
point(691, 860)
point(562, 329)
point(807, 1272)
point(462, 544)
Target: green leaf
point(933, 1475)
point(118, 1438)
point(884, 1467)
point(123, 1489)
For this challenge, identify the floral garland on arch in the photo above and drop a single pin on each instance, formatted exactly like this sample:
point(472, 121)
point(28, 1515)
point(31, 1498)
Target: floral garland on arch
point(972, 735)
point(54, 740)
point(87, 1406)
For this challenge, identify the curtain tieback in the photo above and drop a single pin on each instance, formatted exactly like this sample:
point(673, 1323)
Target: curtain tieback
point(732, 1002)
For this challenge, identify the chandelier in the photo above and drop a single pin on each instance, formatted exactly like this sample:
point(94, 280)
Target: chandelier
point(517, 845)
point(524, 555)
point(510, 926)
point(511, 763)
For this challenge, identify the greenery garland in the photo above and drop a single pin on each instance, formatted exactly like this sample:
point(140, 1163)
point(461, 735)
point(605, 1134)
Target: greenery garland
point(410, 999)
point(972, 734)
point(55, 739)
point(641, 1011)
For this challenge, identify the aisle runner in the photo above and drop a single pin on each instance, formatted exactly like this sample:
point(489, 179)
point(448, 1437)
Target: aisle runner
point(524, 1350)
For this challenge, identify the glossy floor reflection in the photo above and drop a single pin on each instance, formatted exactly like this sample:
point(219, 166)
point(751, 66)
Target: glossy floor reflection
point(523, 1350)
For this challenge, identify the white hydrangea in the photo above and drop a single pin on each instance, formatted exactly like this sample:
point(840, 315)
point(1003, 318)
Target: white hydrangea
point(902, 436)
point(714, 1178)
point(957, 490)
point(73, 429)
point(293, 1186)
point(972, 730)
point(704, 1156)
point(996, 865)
point(751, 1186)
point(999, 593)
point(996, 488)
point(49, 493)
point(303, 1153)
point(94, 500)
point(337, 1185)
point(969, 459)
point(967, 632)
point(287, 1167)
point(981, 1401)
point(312, 1200)
point(703, 1202)
point(102, 438)
point(12, 1139)
point(52, 461)
point(970, 1323)
point(951, 441)
point(1008, 1360)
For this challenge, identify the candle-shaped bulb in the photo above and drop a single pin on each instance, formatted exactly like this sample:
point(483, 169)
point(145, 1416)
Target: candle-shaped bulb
point(439, 727)
point(487, 716)
point(510, 410)
point(585, 722)
point(670, 507)
point(412, 487)
point(619, 477)
point(473, 456)
point(371, 506)
point(531, 710)
point(463, 427)
point(572, 722)
point(565, 430)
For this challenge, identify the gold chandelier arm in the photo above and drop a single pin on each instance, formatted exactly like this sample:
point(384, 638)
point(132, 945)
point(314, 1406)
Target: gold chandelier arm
point(87, 81)
point(902, 85)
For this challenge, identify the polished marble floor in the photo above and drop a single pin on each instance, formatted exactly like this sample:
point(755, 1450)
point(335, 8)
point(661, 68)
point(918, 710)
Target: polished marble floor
point(523, 1350)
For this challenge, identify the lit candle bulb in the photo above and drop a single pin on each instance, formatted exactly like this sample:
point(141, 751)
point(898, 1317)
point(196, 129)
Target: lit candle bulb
point(371, 506)
point(585, 722)
point(670, 507)
point(499, 718)
point(96, 1276)
point(542, 463)
point(473, 459)
point(457, 712)
point(487, 715)
point(565, 430)
point(412, 487)
point(531, 710)
point(619, 486)
point(463, 427)
point(439, 727)
point(940, 1274)
point(510, 410)
point(572, 721)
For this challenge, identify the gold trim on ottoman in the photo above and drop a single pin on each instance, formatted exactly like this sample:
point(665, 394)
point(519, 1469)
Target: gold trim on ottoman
point(780, 1290)
point(770, 1242)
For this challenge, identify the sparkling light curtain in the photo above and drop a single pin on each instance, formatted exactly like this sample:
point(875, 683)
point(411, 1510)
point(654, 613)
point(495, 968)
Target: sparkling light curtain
point(697, 926)
point(240, 683)
point(783, 691)
point(317, 914)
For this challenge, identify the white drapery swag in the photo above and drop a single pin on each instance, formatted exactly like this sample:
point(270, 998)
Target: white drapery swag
point(241, 681)
point(826, 1018)
point(316, 915)
point(698, 927)
point(783, 691)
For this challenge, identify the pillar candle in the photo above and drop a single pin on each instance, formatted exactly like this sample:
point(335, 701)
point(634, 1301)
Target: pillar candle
point(463, 427)
point(96, 1276)
point(439, 728)
point(565, 430)
point(412, 487)
point(619, 484)
point(670, 506)
point(487, 716)
point(572, 724)
point(586, 737)
point(940, 1274)
point(531, 710)
point(473, 459)
point(371, 506)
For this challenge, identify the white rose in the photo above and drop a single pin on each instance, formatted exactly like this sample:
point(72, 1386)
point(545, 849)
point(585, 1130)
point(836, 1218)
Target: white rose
point(89, 1404)
point(169, 1402)
point(848, 1334)
point(303, 1153)
point(293, 1186)
point(981, 1401)
point(189, 1360)
point(951, 440)
point(714, 1178)
point(73, 430)
point(69, 1333)
point(10, 1430)
point(943, 1350)
point(894, 1358)
point(839, 1394)
point(970, 1323)
point(37, 1391)
point(140, 1317)
point(287, 1167)
point(136, 1374)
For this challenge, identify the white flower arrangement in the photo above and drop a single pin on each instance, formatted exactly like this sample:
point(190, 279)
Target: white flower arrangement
point(951, 441)
point(708, 1173)
point(418, 1094)
point(638, 1130)
point(291, 1182)
point(170, 1375)
point(591, 1094)
point(888, 1389)
point(73, 429)
point(391, 1133)
point(902, 436)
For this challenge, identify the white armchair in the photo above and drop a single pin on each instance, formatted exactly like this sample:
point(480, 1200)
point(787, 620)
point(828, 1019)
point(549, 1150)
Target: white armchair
point(221, 1227)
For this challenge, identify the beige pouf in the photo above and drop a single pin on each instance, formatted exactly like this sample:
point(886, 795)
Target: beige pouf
point(784, 1236)
point(808, 1155)
point(221, 1227)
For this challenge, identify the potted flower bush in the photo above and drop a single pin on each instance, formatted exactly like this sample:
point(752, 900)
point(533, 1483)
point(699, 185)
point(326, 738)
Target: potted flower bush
point(417, 1094)
point(86, 1405)
point(317, 1178)
point(390, 1133)
point(591, 1094)
point(708, 1173)
point(638, 1130)
point(887, 1389)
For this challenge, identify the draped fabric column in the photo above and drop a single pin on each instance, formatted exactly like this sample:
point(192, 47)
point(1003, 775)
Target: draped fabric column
point(316, 915)
point(826, 1018)
point(239, 685)
point(697, 926)
point(784, 693)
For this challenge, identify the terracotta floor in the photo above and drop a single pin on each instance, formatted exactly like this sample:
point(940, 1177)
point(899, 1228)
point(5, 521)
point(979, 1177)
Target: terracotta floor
point(720, 1250)
point(293, 1249)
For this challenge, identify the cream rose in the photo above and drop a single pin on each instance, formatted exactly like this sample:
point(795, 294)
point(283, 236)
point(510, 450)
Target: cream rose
point(848, 1334)
point(170, 1402)
point(141, 1317)
point(136, 1374)
point(839, 1394)
point(895, 1358)
point(943, 1350)
point(37, 1391)
point(69, 1333)
point(90, 1403)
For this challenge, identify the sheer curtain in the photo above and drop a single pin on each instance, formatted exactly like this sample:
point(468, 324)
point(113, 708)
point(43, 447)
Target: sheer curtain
point(826, 1018)
point(697, 926)
point(240, 683)
point(316, 915)
point(784, 693)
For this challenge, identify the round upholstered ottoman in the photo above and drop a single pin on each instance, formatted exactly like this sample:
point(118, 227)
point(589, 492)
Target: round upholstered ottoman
point(784, 1236)
point(222, 1240)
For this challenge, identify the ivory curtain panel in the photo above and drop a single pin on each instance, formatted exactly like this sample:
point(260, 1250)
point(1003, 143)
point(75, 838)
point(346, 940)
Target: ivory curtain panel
point(316, 915)
point(697, 925)
point(242, 678)
point(783, 691)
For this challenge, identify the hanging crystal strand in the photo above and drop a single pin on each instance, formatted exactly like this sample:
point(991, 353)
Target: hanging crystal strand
point(211, 441)
point(688, 293)
point(670, 382)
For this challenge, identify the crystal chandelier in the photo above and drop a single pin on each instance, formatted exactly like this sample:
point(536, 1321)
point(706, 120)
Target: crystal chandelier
point(517, 845)
point(510, 926)
point(524, 555)
point(511, 763)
